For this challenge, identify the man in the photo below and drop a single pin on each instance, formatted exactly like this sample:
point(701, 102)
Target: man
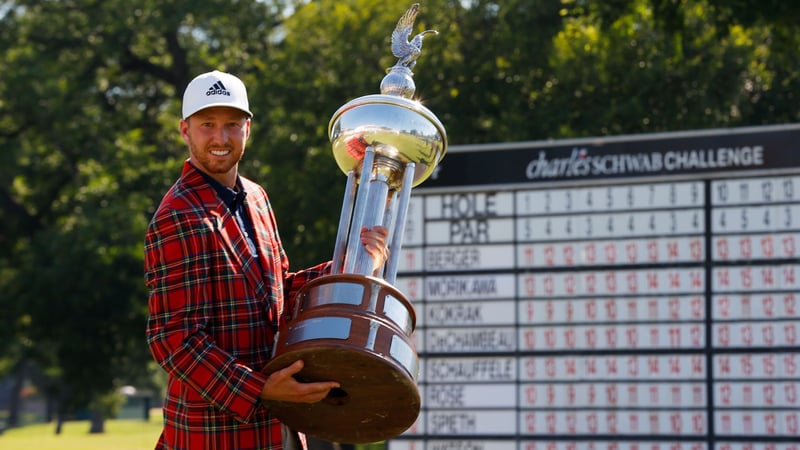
point(220, 285)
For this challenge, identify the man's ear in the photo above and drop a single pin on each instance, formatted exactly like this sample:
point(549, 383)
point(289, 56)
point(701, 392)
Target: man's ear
point(184, 126)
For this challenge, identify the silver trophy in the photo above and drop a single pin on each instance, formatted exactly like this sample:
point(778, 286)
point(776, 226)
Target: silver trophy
point(353, 326)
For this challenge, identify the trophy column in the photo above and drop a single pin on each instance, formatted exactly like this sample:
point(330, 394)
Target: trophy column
point(353, 326)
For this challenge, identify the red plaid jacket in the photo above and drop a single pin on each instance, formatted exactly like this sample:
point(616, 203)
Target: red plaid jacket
point(213, 314)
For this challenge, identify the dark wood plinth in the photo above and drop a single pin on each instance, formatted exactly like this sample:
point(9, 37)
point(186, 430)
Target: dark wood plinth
point(355, 330)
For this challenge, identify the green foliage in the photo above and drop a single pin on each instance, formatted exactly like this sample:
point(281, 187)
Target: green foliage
point(90, 96)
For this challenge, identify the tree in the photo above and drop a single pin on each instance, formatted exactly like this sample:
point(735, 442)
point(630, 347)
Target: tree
point(650, 66)
point(92, 145)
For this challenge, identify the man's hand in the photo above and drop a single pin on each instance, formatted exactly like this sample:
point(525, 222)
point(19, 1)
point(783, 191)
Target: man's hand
point(374, 240)
point(282, 386)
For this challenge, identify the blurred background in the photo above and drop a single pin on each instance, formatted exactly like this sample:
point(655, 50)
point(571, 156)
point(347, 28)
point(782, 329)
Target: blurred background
point(90, 96)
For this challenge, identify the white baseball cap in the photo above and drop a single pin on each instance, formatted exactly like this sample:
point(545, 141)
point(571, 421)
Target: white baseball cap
point(215, 89)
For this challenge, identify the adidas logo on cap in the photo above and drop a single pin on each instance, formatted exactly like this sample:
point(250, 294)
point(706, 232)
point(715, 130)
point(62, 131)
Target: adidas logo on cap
point(218, 89)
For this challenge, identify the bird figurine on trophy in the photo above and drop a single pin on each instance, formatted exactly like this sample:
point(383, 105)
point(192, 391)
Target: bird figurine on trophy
point(353, 325)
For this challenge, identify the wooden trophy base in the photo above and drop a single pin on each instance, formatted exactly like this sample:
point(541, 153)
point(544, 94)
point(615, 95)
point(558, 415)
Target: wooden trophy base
point(355, 330)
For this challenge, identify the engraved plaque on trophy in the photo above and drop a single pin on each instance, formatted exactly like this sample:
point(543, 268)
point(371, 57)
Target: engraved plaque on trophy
point(353, 326)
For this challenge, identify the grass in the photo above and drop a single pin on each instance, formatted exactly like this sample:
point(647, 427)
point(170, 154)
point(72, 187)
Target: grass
point(124, 434)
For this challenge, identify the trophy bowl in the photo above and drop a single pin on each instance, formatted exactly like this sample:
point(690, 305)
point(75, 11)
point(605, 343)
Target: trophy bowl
point(398, 128)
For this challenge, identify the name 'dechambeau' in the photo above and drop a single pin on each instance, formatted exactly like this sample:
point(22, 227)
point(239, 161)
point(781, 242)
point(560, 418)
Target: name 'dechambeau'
point(580, 163)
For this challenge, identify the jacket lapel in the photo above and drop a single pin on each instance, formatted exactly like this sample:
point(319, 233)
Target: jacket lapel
point(228, 230)
point(265, 237)
point(234, 238)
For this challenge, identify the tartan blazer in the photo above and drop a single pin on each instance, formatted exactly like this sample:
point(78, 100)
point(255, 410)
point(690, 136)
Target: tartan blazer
point(213, 314)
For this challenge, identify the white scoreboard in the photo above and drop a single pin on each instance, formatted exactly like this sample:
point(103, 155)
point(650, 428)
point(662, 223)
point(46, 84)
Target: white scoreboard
point(629, 293)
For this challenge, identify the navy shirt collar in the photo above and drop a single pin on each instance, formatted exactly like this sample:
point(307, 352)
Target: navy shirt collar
point(232, 198)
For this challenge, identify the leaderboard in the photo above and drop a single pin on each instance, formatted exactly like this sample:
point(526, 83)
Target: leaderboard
point(628, 293)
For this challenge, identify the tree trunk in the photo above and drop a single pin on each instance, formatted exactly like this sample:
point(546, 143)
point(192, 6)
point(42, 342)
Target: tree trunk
point(59, 421)
point(98, 424)
point(61, 410)
point(16, 391)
